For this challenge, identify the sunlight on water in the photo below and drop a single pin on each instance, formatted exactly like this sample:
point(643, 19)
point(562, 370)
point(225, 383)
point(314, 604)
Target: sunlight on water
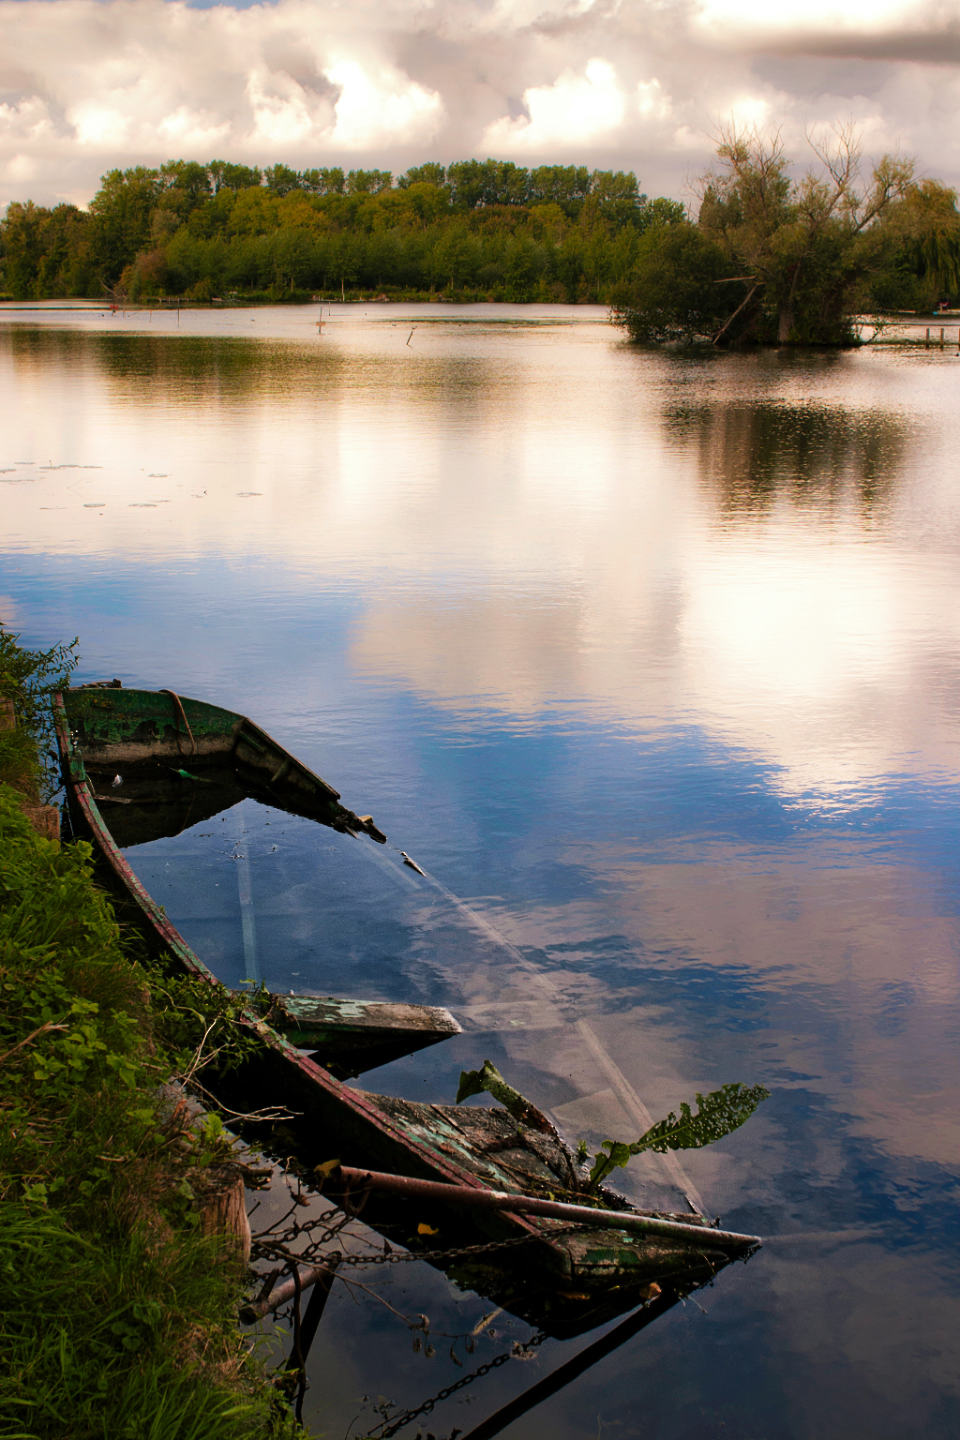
point(651, 662)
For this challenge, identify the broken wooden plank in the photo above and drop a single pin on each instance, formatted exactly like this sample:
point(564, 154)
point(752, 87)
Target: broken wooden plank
point(350, 1036)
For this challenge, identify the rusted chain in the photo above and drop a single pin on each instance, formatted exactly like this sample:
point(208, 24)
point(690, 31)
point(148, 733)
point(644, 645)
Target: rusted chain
point(398, 1422)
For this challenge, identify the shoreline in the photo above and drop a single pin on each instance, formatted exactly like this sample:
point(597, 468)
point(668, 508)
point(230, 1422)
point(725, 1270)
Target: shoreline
point(119, 1199)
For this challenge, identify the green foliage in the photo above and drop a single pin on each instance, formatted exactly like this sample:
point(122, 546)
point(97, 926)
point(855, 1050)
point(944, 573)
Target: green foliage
point(803, 253)
point(30, 678)
point(676, 291)
point(476, 229)
point(18, 758)
point(193, 1018)
point(280, 179)
point(774, 259)
point(719, 1113)
point(117, 1338)
point(121, 213)
point(45, 254)
point(918, 250)
point(430, 173)
point(117, 1312)
point(227, 176)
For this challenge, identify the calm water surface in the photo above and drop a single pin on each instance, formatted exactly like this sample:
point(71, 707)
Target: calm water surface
point(653, 664)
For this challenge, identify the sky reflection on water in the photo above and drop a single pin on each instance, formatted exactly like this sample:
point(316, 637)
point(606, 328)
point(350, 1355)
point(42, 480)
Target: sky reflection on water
point(651, 660)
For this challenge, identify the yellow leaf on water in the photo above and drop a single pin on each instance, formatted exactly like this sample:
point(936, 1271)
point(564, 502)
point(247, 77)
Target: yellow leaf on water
point(424, 1229)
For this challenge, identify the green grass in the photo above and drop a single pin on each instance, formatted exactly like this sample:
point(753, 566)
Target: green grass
point(118, 1314)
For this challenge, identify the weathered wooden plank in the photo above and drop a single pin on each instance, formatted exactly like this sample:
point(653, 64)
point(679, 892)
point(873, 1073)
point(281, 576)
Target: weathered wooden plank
point(351, 1036)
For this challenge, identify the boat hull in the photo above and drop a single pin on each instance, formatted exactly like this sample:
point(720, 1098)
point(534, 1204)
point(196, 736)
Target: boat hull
point(565, 1279)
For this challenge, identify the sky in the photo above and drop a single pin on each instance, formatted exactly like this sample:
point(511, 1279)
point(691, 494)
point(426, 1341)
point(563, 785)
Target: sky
point(642, 85)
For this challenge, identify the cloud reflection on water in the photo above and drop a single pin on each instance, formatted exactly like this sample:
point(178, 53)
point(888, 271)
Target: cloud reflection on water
point(655, 657)
point(523, 541)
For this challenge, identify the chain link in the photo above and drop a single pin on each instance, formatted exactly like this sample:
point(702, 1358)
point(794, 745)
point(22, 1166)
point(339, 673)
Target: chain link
point(402, 1257)
point(399, 1421)
point(406, 1257)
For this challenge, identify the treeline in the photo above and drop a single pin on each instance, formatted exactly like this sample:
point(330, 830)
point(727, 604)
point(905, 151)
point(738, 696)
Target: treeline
point(474, 229)
point(771, 257)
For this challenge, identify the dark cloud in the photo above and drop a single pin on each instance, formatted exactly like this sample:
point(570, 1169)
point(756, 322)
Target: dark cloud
point(918, 47)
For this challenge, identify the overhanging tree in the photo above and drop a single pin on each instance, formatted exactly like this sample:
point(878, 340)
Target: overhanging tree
point(796, 251)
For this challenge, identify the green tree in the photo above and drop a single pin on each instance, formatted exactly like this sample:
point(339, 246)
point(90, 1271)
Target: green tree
point(456, 256)
point(324, 182)
point(189, 180)
point(280, 179)
point(660, 211)
point(20, 249)
point(919, 249)
point(227, 176)
point(45, 253)
point(368, 182)
point(418, 204)
point(431, 173)
point(122, 212)
point(801, 246)
point(64, 267)
point(566, 186)
point(676, 291)
point(616, 194)
point(487, 182)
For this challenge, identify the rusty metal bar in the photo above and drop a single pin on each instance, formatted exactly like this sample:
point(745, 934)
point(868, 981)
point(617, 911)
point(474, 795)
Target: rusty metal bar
point(485, 1199)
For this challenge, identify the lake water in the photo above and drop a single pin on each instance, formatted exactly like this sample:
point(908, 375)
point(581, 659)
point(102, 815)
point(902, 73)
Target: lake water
point(652, 663)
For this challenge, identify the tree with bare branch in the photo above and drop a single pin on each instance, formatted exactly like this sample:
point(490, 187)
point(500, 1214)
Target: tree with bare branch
point(807, 242)
point(797, 252)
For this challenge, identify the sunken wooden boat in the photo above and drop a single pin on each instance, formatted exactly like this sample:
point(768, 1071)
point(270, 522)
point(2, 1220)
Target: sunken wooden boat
point(182, 760)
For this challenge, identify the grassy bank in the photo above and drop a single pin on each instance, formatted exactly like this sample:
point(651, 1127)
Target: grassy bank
point(118, 1315)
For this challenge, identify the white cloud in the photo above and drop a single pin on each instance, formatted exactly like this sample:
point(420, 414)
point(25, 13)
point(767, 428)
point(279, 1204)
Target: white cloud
point(21, 167)
point(99, 125)
point(28, 119)
point(87, 84)
point(651, 102)
point(373, 108)
point(197, 129)
point(750, 112)
point(281, 115)
point(575, 110)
